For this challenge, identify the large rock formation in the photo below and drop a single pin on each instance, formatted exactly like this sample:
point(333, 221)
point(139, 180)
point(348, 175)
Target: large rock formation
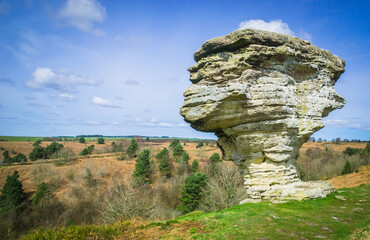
point(264, 94)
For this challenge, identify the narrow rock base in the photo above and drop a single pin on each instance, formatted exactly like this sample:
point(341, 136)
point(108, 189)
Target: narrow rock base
point(294, 191)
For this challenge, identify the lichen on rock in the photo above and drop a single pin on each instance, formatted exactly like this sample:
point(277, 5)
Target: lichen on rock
point(264, 94)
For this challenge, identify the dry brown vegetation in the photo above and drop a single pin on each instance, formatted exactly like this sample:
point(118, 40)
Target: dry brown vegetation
point(107, 195)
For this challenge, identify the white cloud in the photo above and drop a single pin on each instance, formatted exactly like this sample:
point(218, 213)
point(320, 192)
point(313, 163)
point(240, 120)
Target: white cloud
point(344, 123)
point(83, 14)
point(65, 81)
point(272, 26)
point(66, 97)
point(103, 102)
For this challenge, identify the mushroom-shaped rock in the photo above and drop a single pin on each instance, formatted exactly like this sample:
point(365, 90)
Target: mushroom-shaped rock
point(264, 94)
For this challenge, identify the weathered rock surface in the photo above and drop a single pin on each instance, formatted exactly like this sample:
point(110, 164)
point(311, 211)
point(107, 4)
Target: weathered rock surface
point(264, 94)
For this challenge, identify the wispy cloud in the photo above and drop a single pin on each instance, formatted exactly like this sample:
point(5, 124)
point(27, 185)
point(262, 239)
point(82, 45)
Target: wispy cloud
point(103, 102)
point(344, 123)
point(38, 105)
point(64, 81)
point(131, 82)
point(64, 97)
point(83, 14)
point(7, 81)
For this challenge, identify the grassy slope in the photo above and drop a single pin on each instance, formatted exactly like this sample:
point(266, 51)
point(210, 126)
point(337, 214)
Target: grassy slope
point(335, 217)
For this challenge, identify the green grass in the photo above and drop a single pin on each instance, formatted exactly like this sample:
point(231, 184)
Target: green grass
point(20, 139)
point(331, 217)
point(337, 216)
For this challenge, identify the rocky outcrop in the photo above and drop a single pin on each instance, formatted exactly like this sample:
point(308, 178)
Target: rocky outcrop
point(263, 94)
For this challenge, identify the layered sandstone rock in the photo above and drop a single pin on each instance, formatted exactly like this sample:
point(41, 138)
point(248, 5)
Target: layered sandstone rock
point(263, 94)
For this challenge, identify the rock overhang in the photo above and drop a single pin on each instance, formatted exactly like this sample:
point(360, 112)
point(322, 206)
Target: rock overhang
point(263, 94)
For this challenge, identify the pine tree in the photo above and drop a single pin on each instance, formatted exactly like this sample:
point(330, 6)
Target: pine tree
point(347, 168)
point(185, 158)
point(162, 154)
point(132, 148)
point(142, 168)
point(38, 152)
point(192, 192)
point(6, 156)
point(52, 148)
point(82, 140)
point(12, 194)
point(194, 166)
point(165, 167)
point(174, 143)
point(177, 151)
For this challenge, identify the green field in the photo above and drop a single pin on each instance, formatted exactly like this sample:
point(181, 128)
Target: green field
point(89, 139)
point(344, 214)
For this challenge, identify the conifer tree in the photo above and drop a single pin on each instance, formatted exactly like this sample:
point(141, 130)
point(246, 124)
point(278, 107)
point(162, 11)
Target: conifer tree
point(192, 192)
point(132, 148)
point(194, 166)
point(165, 167)
point(142, 168)
point(12, 194)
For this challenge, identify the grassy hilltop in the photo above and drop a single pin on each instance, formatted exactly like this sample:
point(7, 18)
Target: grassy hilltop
point(344, 214)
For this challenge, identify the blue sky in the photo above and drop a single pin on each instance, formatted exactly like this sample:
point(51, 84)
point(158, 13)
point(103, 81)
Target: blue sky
point(71, 67)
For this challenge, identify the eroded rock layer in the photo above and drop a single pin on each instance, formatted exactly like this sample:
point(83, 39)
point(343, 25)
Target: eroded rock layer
point(263, 94)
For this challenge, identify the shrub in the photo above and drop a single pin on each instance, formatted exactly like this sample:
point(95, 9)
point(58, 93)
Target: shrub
point(192, 192)
point(20, 157)
point(37, 143)
point(124, 201)
point(45, 173)
point(13, 151)
point(117, 147)
point(366, 153)
point(194, 166)
point(54, 147)
point(66, 155)
point(200, 145)
point(177, 151)
point(87, 151)
point(89, 178)
point(224, 189)
point(38, 152)
point(351, 151)
point(174, 143)
point(84, 152)
point(41, 193)
point(82, 140)
point(6, 156)
point(142, 168)
point(347, 169)
point(215, 158)
point(90, 149)
point(101, 140)
point(185, 158)
point(132, 148)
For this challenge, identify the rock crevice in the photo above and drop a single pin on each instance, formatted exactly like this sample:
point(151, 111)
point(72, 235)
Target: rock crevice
point(263, 94)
